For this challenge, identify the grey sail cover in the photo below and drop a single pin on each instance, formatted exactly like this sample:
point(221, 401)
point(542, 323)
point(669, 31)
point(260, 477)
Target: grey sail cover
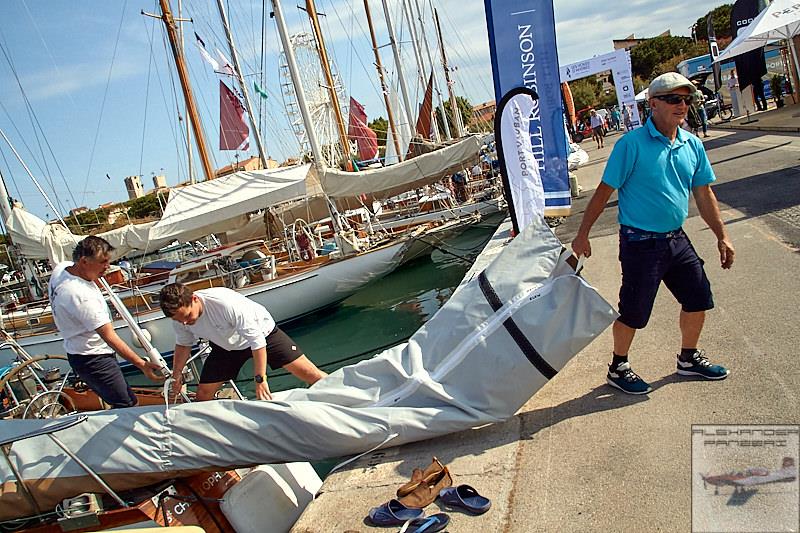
point(477, 360)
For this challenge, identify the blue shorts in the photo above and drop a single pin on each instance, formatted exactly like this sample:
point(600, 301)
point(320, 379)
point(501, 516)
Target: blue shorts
point(650, 258)
point(104, 376)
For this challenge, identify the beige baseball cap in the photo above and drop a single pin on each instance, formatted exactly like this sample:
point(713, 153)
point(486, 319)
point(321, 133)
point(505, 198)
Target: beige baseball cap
point(667, 83)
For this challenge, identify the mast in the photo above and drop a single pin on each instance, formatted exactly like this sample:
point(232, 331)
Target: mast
point(398, 65)
point(326, 68)
point(186, 110)
point(291, 61)
point(453, 102)
point(384, 88)
point(418, 57)
point(415, 42)
point(242, 84)
point(435, 81)
point(183, 74)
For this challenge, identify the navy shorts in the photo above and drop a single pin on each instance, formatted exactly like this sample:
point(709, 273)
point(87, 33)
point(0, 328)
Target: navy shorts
point(103, 375)
point(646, 262)
point(224, 365)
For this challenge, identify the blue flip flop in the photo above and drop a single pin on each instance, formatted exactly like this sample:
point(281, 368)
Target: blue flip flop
point(393, 513)
point(465, 497)
point(428, 524)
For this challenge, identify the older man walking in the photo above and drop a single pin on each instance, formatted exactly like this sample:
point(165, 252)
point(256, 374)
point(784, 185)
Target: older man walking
point(654, 168)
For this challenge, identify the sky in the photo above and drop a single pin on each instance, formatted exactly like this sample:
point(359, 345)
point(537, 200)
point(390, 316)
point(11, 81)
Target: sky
point(89, 93)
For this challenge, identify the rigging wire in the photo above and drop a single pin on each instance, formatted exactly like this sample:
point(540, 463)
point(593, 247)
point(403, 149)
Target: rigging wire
point(47, 48)
point(146, 99)
point(9, 174)
point(35, 124)
point(175, 99)
point(103, 103)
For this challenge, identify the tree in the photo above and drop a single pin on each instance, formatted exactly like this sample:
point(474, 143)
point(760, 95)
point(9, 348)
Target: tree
point(144, 207)
point(380, 126)
point(586, 92)
point(647, 55)
point(466, 114)
point(671, 64)
point(721, 20)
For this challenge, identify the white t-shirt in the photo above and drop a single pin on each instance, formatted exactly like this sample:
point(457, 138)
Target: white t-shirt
point(229, 320)
point(79, 308)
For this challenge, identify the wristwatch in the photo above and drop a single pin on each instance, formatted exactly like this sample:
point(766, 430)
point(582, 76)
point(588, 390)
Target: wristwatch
point(260, 378)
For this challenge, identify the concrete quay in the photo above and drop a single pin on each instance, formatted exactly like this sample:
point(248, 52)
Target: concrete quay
point(581, 456)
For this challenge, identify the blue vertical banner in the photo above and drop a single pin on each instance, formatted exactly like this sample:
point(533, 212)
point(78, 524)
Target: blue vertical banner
point(522, 44)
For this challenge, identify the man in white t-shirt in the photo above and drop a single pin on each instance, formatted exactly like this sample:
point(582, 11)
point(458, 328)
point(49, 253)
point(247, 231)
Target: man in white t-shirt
point(82, 317)
point(237, 329)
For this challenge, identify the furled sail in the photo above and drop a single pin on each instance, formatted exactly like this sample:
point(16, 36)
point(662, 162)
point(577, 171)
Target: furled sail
point(412, 173)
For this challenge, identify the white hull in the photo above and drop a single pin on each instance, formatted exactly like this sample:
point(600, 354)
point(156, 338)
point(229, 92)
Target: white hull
point(286, 298)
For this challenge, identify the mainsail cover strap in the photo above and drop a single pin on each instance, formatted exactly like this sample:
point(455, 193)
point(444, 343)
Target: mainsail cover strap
point(519, 337)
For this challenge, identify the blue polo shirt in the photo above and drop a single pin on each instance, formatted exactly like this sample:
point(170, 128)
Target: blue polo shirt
point(654, 177)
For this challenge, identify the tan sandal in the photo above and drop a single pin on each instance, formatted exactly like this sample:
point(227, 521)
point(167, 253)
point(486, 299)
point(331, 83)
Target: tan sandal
point(428, 489)
point(418, 475)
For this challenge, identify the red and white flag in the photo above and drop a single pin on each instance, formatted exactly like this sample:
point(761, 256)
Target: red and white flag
point(358, 131)
point(233, 130)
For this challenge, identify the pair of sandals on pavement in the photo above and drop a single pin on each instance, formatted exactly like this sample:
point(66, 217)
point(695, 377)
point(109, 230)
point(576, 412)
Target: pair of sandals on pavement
point(425, 487)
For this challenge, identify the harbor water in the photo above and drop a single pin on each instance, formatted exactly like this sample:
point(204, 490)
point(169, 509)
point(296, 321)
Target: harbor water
point(383, 314)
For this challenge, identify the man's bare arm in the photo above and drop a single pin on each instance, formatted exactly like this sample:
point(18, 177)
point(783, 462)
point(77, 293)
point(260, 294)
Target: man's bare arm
point(709, 211)
point(107, 333)
point(594, 209)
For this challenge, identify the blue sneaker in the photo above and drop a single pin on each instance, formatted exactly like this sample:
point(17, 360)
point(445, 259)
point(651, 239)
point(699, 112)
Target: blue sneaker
point(626, 380)
point(699, 365)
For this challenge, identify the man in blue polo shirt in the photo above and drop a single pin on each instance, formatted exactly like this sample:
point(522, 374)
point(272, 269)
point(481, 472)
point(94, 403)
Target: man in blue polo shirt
point(654, 168)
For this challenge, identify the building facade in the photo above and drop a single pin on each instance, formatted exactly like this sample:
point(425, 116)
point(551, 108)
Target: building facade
point(133, 184)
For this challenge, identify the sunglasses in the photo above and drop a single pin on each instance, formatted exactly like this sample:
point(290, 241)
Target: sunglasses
point(675, 99)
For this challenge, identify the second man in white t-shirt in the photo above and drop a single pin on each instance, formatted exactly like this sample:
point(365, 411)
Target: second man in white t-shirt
point(237, 328)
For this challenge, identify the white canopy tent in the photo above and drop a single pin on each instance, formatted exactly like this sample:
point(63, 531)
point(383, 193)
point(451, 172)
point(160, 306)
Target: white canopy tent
point(642, 96)
point(780, 20)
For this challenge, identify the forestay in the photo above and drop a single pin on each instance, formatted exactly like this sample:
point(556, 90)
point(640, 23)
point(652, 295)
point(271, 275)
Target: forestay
point(498, 339)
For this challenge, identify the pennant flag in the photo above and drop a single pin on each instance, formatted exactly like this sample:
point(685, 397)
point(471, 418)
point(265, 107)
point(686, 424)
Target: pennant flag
point(259, 91)
point(522, 182)
point(358, 131)
point(225, 65)
point(204, 53)
point(233, 131)
point(424, 124)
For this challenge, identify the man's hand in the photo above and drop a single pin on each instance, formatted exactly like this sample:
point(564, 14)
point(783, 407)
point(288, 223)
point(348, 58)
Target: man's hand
point(151, 370)
point(726, 253)
point(581, 246)
point(262, 391)
point(177, 385)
